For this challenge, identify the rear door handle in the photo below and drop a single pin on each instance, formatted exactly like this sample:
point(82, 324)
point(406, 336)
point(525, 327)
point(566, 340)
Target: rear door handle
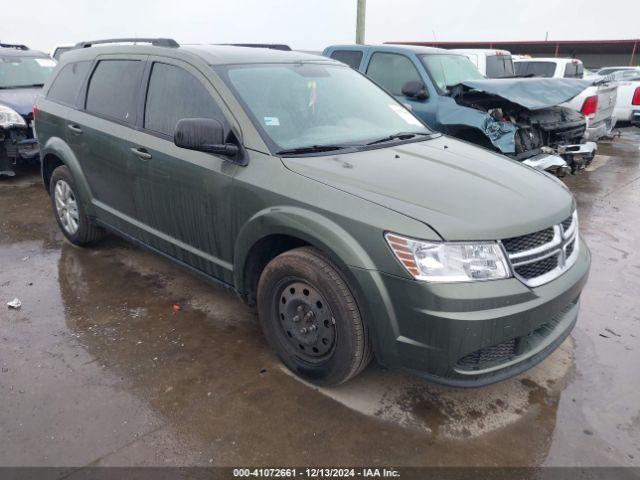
point(141, 153)
point(75, 128)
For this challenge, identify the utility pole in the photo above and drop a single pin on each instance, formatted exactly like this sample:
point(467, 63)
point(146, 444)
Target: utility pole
point(362, 6)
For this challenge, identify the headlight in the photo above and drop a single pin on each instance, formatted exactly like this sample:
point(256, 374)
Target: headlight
point(449, 262)
point(10, 118)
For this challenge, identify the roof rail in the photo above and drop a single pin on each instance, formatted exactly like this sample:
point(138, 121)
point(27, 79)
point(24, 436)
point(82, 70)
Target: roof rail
point(272, 46)
point(156, 42)
point(12, 45)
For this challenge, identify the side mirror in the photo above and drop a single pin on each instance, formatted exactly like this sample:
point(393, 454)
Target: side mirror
point(415, 89)
point(203, 135)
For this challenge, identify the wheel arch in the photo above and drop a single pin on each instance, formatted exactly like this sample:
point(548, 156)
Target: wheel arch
point(56, 152)
point(276, 230)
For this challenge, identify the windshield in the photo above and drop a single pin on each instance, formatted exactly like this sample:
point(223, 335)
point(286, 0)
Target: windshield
point(500, 66)
point(16, 72)
point(449, 70)
point(302, 105)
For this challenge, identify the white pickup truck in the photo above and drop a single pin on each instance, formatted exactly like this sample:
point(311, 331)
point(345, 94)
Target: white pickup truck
point(628, 101)
point(596, 102)
point(491, 63)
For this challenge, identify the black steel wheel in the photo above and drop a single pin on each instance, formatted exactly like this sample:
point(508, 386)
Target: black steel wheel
point(311, 319)
point(307, 322)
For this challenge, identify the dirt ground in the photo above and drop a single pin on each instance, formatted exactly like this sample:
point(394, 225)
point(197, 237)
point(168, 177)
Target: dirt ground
point(98, 369)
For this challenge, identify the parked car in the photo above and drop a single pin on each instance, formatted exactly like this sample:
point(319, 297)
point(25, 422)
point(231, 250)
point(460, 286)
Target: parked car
point(548, 67)
point(490, 62)
point(609, 70)
point(597, 101)
point(23, 72)
point(59, 50)
point(517, 117)
point(300, 184)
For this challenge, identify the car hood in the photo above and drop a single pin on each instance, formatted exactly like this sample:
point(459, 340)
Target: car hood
point(531, 93)
point(19, 99)
point(461, 191)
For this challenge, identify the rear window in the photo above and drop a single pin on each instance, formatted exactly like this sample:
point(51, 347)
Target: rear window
point(607, 71)
point(535, 69)
point(113, 89)
point(500, 66)
point(574, 70)
point(67, 84)
point(350, 57)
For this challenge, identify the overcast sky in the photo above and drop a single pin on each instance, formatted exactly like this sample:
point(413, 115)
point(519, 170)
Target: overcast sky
point(314, 24)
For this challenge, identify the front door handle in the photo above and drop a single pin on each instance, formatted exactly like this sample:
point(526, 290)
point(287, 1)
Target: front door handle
point(75, 128)
point(141, 153)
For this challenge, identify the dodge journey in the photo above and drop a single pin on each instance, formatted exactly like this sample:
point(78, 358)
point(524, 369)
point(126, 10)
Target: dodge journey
point(355, 230)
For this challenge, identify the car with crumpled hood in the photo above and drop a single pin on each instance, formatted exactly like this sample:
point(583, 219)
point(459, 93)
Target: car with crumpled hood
point(521, 118)
point(355, 230)
point(23, 72)
point(596, 102)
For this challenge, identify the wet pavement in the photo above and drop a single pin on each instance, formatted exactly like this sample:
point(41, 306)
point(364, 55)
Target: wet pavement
point(99, 368)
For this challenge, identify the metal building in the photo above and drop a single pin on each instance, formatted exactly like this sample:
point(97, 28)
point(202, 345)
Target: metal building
point(593, 53)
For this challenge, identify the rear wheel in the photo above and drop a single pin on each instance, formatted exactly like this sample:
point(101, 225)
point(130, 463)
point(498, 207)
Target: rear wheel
point(69, 211)
point(310, 318)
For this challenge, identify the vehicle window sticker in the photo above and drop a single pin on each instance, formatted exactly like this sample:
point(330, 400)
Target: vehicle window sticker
point(272, 121)
point(312, 86)
point(45, 62)
point(404, 114)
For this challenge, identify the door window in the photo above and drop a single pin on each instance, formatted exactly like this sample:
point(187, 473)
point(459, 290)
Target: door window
point(113, 89)
point(175, 94)
point(392, 71)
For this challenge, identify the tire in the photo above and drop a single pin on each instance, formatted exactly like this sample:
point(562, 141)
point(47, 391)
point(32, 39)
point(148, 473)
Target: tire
point(335, 346)
point(69, 211)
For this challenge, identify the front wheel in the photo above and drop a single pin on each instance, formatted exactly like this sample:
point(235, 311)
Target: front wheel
point(310, 318)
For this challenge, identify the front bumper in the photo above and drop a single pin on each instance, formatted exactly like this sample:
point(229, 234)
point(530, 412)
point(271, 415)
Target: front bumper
point(16, 145)
point(546, 161)
point(470, 334)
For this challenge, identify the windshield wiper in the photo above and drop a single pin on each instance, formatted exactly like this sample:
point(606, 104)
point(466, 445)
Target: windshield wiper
point(314, 149)
point(33, 85)
point(399, 136)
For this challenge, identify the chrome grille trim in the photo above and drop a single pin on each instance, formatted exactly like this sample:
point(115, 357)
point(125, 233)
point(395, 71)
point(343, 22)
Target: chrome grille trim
point(557, 240)
point(563, 243)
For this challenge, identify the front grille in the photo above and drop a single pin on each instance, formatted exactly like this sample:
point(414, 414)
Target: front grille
point(569, 248)
point(503, 352)
point(536, 269)
point(541, 256)
point(528, 242)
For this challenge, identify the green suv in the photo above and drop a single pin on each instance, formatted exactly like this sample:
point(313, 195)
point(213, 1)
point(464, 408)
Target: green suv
point(296, 181)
